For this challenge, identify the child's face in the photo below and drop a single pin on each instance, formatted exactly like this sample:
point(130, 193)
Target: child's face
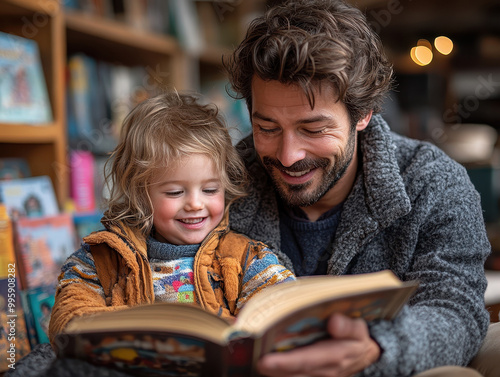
point(188, 201)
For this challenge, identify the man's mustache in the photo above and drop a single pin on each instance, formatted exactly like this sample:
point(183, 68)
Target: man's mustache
point(305, 164)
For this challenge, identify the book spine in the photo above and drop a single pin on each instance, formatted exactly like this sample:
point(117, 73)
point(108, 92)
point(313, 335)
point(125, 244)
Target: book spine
point(82, 180)
point(242, 357)
point(7, 256)
point(14, 341)
point(29, 319)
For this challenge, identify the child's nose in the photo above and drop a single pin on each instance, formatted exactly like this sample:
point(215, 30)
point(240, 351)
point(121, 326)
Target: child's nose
point(194, 203)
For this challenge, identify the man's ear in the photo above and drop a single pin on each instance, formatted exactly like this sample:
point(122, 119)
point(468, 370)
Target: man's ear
point(363, 122)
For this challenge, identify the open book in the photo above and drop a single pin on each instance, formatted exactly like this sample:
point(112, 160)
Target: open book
point(179, 339)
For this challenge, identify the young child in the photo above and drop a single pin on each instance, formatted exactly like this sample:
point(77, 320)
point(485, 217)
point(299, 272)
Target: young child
point(172, 178)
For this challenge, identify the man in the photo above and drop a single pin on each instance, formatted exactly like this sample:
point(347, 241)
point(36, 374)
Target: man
point(337, 193)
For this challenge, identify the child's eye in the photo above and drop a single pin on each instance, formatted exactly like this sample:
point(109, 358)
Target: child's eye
point(211, 191)
point(173, 193)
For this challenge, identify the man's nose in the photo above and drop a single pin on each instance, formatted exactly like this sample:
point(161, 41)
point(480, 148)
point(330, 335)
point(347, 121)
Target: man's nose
point(290, 149)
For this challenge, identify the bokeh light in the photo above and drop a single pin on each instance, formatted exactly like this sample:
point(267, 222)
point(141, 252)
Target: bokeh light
point(444, 45)
point(421, 55)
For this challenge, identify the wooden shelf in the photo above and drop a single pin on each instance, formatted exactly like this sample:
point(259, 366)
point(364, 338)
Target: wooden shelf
point(115, 41)
point(24, 133)
point(26, 7)
point(104, 31)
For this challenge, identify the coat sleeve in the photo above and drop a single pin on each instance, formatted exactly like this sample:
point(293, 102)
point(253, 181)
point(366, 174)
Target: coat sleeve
point(78, 293)
point(264, 270)
point(446, 320)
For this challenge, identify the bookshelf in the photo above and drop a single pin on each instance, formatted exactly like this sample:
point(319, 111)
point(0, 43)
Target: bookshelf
point(43, 145)
point(60, 32)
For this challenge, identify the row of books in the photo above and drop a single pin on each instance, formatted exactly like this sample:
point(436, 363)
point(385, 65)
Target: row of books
point(44, 235)
point(35, 240)
point(99, 96)
point(28, 196)
point(23, 321)
point(148, 15)
point(27, 285)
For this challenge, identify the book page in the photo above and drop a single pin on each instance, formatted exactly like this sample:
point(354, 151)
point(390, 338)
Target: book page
point(267, 307)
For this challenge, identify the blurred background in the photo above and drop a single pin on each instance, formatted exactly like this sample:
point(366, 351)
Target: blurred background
point(70, 70)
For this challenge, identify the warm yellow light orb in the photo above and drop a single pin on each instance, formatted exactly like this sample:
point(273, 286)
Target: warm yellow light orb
point(444, 45)
point(421, 55)
point(413, 57)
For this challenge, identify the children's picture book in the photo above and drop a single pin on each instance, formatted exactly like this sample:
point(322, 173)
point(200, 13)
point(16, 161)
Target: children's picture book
point(23, 91)
point(14, 342)
point(43, 244)
point(29, 319)
point(29, 197)
point(86, 223)
point(14, 168)
point(41, 301)
point(185, 340)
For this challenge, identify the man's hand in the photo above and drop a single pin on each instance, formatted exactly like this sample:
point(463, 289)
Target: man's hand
point(349, 351)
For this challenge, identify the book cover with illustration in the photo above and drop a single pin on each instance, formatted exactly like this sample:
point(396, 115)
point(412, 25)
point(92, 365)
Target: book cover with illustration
point(86, 223)
point(29, 197)
point(23, 91)
point(189, 341)
point(41, 301)
point(14, 168)
point(12, 324)
point(29, 319)
point(43, 244)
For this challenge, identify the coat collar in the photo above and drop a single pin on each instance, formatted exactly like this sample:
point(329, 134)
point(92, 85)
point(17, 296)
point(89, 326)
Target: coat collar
point(136, 241)
point(120, 237)
point(380, 177)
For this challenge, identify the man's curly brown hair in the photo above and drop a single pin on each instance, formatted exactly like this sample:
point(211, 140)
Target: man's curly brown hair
point(308, 43)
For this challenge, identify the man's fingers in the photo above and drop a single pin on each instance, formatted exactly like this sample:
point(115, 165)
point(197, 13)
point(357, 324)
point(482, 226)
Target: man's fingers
point(342, 327)
point(303, 360)
point(348, 351)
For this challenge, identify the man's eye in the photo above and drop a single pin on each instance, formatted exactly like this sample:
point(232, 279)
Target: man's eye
point(314, 132)
point(267, 130)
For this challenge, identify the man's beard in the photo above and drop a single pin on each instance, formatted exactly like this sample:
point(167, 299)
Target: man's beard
point(297, 195)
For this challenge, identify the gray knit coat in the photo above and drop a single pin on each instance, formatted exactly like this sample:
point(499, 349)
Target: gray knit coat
point(412, 210)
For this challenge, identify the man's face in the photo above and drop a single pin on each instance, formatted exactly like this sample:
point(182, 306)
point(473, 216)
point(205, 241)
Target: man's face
point(305, 151)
